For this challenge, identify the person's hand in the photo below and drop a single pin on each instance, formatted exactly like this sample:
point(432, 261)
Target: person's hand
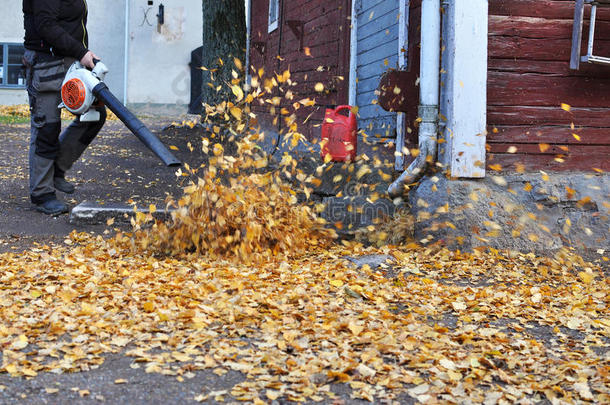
point(87, 60)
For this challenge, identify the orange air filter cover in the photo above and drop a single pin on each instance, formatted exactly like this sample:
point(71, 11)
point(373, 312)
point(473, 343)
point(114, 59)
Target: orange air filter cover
point(73, 94)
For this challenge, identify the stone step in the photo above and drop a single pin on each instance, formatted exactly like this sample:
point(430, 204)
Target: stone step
point(89, 212)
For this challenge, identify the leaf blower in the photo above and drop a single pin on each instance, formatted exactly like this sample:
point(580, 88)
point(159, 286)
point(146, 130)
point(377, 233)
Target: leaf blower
point(82, 88)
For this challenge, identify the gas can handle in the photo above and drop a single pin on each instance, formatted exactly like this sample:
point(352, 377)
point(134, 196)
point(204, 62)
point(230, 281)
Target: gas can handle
point(343, 107)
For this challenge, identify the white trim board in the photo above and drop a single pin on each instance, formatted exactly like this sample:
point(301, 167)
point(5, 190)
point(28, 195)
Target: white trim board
point(464, 94)
point(403, 46)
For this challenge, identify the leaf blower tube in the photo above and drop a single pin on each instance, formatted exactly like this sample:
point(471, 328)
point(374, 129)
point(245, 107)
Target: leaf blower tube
point(136, 126)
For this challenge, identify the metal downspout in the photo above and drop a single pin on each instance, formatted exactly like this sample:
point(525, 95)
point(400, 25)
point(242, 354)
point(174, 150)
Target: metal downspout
point(429, 83)
point(248, 31)
point(353, 55)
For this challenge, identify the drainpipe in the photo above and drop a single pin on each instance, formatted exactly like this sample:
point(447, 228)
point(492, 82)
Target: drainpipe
point(248, 31)
point(353, 54)
point(403, 45)
point(429, 83)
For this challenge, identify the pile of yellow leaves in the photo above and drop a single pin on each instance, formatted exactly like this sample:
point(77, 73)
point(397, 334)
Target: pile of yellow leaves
point(445, 326)
point(240, 207)
point(234, 211)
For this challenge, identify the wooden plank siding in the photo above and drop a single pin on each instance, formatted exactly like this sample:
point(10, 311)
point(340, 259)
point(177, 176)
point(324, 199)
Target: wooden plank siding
point(529, 78)
point(377, 52)
point(326, 27)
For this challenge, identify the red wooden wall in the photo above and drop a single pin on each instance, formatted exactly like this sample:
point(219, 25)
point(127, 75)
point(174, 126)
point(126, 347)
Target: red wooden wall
point(529, 78)
point(326, 29)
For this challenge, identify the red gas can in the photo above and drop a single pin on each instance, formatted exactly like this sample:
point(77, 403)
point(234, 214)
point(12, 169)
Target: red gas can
point(339, 134)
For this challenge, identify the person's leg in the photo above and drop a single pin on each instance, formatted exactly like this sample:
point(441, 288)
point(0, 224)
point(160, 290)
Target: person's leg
point(73, 142)
point(44, 84)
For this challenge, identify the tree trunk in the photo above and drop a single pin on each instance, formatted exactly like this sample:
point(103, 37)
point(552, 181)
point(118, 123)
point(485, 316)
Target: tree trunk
point(224, 38)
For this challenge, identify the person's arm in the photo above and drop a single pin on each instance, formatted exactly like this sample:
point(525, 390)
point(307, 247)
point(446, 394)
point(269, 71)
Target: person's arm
point(46, 19)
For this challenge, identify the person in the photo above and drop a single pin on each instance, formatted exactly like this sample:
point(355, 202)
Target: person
point(55, 36)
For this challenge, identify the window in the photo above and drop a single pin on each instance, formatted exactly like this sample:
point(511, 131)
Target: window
point(274, 14)
point(12, 73)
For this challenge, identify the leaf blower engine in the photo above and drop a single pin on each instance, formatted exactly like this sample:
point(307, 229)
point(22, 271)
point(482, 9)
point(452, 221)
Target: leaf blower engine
point(83, 88)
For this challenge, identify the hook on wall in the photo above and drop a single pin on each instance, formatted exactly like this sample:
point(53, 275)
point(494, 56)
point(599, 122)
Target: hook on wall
point(161, 14)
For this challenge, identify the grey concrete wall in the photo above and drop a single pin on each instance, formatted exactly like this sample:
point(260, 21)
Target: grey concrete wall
point(11, 30)
point(13, 96)
point(159, 55)
point(158, 71)
point(106, 25)
point(524, 212)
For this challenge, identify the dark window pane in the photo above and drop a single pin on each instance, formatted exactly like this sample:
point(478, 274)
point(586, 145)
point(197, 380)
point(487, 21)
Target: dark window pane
point(15, 75)
point(15, 53)
point(1, 55)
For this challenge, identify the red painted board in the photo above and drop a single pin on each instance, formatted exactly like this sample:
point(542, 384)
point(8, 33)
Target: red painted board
point(549, 134)
point(553, 115)
point(543, 90)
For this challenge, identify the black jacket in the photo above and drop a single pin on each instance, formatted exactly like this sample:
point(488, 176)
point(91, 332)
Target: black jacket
point(56, 26)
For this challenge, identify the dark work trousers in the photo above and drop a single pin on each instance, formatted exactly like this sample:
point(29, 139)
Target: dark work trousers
point(52, 154)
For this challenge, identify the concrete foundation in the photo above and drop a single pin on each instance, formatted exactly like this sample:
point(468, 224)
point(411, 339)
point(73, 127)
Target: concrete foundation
point(526, 212)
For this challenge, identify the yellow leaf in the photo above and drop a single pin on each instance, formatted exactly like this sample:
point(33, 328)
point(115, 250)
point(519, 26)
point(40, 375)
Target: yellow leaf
point(565, 107)
point(239, 93)
point(319, 87)
point(29, 372)
point(273, 394)
point(496, 167)
point(336, 283)
point(120, 381)
point(120, 341)
point(236, 112)
point(172, 147)
point(20, 343)
point(573, 323)
point(11, 369)
point(87, 309)
point(355, 328)
point(586, 277)
point(448, 364)
point(148, 306)
point(458, 305)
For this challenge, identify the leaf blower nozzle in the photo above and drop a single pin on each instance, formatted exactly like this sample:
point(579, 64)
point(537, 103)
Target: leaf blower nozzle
point(136, 126)
point(82, 87)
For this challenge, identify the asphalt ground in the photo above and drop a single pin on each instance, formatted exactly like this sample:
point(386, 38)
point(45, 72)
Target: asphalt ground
point(116, 168)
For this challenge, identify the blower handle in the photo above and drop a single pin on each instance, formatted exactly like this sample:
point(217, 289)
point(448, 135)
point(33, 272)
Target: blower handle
point(135, 125)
